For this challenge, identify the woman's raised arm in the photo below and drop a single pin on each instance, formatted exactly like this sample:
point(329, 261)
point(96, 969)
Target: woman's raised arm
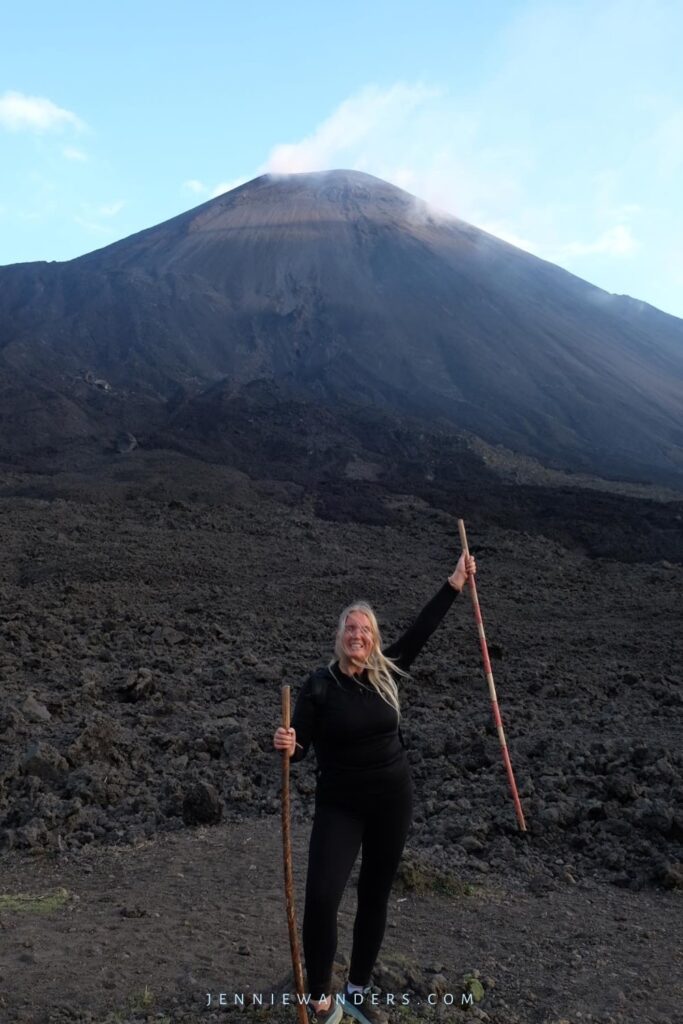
point(404, 650)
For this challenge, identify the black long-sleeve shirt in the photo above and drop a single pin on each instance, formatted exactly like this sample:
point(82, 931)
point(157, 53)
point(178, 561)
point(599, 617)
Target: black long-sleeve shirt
point(353, 730)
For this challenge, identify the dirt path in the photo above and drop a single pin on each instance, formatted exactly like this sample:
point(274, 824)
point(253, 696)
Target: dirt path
point(151, 929)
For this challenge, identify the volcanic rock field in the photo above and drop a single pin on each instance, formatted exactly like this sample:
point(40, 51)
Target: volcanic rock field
point(144, 642)
point(150, 617)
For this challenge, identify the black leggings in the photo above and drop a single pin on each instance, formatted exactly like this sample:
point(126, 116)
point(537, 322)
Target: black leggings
point(380, 824)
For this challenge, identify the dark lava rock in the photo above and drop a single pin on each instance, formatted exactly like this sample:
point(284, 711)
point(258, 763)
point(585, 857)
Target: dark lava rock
point(125, 443)
point(671, 875)
point(471, 844)
point(202, 805)
point(45, 762)
point(34, 710)
point(138, 686)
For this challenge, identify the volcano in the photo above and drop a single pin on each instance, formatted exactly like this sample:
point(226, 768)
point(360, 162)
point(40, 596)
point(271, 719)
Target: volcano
point(338, 291)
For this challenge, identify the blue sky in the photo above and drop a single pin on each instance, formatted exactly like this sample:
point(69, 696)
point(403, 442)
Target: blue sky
point(555, 125)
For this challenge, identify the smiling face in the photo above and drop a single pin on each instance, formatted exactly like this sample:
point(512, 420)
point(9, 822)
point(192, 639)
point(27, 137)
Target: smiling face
point(357, 638)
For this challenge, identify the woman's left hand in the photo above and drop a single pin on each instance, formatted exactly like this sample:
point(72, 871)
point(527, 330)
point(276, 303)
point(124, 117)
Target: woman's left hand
point(465, 568)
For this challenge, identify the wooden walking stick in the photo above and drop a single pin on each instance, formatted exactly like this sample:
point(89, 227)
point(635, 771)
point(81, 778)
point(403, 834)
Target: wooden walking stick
point(289, 884)
point(492, 689)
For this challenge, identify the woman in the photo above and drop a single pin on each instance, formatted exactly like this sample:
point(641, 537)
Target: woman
point(350, 712)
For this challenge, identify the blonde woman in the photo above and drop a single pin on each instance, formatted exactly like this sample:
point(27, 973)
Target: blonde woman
point(350, 712)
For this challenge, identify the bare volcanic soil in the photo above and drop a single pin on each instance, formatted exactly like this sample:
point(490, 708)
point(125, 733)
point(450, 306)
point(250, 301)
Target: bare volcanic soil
point(147, 627)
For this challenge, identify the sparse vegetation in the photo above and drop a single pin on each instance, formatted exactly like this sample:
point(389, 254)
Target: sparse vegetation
point(420, 879)
point(408, 1016)
point(142, 1000)
point(474, 987)
point(31, 904)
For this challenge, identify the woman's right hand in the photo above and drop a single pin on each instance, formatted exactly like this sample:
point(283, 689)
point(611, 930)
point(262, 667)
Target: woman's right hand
point(285, 739)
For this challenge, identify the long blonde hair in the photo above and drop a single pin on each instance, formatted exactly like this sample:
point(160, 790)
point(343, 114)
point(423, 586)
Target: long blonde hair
point(380, 669)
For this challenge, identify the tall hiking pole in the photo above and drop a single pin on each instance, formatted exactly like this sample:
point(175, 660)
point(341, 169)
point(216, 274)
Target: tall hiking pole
point(492, 688)
point(289, 884)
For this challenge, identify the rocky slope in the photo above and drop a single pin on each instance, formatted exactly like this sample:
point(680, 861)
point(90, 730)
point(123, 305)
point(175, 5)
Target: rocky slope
point(142, 632)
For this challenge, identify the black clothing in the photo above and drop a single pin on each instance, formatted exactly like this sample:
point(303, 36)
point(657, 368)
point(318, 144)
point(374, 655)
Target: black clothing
point(363, 796)
point(338, 831)
point(356, 731)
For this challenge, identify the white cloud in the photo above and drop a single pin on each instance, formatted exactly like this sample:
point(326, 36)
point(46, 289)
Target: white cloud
point(111, 209)
point(198, 187)
point(35, 113)
point(95, 218)
point(615, 241)
point(370, 113)
point(227, 186)
point(71, 153)
point(94, 228)
point(507, 234)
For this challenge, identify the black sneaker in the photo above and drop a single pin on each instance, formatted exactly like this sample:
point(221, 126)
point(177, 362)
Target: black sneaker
point(330, 1016)
point(359, 1005)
